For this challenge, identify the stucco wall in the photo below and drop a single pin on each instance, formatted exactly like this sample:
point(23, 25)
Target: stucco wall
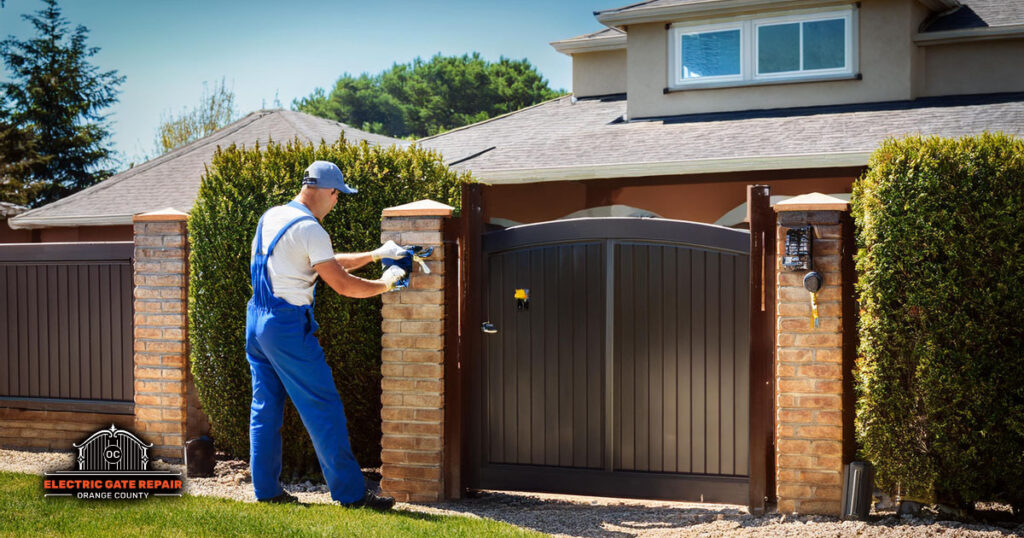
point(674, 198)
point(599, 73)
point(974, 67)
point(886, 52)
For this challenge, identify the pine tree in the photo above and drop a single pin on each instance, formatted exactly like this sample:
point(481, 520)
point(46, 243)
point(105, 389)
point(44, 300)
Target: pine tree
point(57, 97)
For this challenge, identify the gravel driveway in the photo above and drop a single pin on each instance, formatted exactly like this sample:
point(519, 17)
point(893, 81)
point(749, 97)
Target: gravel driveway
point(571, 515)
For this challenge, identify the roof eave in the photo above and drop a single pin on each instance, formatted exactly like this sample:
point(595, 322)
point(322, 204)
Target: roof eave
point(1010, 31)
point(596, 44)
point(510, 176)
point(29, 222)
point(707, 7)
point(940, 5)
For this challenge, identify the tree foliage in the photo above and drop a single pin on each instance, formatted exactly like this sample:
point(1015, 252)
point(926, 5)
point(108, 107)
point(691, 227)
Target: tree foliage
point(56, 98)
point(423, 98)
point(941, 288)
point(216, 108)
point(240, 185)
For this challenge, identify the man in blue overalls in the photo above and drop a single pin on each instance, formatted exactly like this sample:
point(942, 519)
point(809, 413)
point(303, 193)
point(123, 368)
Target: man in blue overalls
point(290, 250)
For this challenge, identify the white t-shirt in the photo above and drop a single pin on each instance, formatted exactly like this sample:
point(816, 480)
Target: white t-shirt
point(304, 245)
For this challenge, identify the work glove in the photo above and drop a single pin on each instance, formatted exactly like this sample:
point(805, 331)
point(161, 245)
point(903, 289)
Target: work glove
point(390, 251)
point(392, 275)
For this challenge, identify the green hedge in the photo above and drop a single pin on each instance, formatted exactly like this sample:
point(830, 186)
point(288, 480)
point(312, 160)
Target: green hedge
point(940, 231)
point(236, 190)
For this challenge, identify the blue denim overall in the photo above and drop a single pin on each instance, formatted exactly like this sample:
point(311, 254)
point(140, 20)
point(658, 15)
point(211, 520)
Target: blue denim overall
point(285, 358)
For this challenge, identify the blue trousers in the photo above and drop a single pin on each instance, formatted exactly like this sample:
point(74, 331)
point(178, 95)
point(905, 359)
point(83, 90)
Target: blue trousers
point(286, 359)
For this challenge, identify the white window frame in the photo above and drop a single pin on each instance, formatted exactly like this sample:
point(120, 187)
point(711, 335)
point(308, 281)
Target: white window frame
point(748, 27)
point(845, 15)
point(676, 49)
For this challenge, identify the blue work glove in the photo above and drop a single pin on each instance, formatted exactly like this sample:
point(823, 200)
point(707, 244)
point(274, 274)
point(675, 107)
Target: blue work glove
point(413, 253)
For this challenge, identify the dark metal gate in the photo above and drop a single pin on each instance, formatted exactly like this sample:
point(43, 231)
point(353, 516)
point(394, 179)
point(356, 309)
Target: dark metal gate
point(66, 326)
point(627, 370)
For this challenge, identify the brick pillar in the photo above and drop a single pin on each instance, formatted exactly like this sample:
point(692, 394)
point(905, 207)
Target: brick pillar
point(161, 342)
point(809, 387)
point(412, 361)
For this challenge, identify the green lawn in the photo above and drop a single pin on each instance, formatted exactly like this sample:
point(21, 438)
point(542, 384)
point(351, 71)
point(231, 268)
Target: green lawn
point(25, 512)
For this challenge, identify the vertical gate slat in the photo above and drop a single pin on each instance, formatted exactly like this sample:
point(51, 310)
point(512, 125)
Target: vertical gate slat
point(713, 365)
point(10, 348)
point(522, 354)
point(39, 321)
point(537, 324)
point(549, 300)
point(684, 371)
point(493, 369)
point(508, 376)
point(727, 383)
point(626, 363)
point(671, 359)
point(566, 395)
point(641, 356)
point(656, 366)
point(698, 374)
point(595, 354)
point(742, 383)
point(578, 285)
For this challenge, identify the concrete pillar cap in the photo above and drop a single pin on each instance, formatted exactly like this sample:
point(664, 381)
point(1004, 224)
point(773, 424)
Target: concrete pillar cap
point(421, 208)
point(161, 215)
point(814, 201)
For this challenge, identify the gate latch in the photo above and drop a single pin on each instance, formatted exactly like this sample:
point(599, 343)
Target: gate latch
point(488, 328)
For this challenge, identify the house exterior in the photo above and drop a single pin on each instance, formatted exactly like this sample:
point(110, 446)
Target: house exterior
point(104, 211)
point(679, 104)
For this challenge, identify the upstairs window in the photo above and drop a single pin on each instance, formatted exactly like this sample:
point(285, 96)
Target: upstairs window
point(817, 45)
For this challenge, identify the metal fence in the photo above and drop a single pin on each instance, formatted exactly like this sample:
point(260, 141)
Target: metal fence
point(66, 326)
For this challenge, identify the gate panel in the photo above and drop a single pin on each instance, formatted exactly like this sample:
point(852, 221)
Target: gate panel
point(681, 368)
point(544, 399)
point(628, 374)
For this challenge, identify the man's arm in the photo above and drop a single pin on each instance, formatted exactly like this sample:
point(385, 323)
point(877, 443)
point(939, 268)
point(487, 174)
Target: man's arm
point(336, 276)
point(352, 261)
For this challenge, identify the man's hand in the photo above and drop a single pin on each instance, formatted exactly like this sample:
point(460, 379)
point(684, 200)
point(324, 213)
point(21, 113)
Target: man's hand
point(389, 250)
point(392, 275)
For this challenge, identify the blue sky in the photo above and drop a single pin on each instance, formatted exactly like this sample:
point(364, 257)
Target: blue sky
point(167, 49)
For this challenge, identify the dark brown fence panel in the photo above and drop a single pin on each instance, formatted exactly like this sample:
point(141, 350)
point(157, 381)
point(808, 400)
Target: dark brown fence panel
point(66, 326)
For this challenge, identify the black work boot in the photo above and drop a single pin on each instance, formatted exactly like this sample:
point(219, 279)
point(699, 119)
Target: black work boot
point(373, 501)
point(283, 498)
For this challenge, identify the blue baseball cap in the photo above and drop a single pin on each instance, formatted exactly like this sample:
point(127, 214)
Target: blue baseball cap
point(326, 175)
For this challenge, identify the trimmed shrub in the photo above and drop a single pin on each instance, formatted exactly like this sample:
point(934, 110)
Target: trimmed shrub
point(234, 193)
point(940, 374)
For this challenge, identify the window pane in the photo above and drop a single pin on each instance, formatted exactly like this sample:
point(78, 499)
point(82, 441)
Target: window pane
point(825, 44)
point(778, 48)
point(711, 54)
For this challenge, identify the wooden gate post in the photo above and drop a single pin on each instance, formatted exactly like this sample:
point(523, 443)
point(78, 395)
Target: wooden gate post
point(413, 369)
point(812, 379)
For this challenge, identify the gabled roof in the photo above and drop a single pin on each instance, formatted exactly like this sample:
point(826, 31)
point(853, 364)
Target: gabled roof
point(172, 180)
point(567, 139)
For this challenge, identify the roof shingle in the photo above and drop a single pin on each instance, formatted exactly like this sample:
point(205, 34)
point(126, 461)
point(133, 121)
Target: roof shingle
point(172, 180)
